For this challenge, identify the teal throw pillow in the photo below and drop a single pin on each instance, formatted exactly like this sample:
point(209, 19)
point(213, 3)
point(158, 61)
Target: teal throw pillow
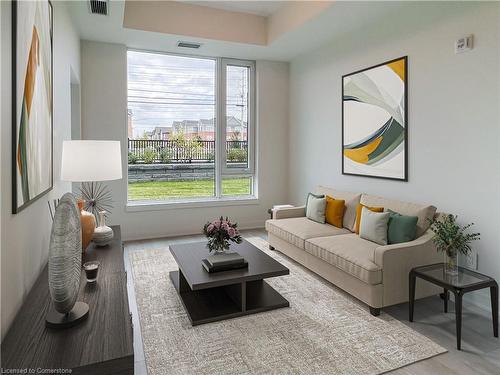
point(401, 228)
point(315, 207)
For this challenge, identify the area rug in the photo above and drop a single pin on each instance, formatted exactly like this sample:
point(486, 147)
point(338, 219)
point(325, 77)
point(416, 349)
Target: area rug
point(324, 331)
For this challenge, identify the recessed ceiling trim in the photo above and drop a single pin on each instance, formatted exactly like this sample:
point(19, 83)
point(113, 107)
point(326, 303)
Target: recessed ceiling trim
point(189, 20)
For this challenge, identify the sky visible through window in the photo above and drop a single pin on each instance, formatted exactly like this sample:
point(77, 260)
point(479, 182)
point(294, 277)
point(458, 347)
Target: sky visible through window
point(164, 89)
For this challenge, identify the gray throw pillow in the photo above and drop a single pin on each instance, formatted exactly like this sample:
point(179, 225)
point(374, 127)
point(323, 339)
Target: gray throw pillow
point(315, 207)
point(374, 226)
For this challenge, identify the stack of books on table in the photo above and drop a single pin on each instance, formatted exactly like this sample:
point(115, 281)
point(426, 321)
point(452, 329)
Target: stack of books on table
point(224, 262)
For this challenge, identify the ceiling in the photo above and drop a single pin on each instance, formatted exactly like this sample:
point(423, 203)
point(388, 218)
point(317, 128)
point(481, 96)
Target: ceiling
point(261, 8)
point(329, 27)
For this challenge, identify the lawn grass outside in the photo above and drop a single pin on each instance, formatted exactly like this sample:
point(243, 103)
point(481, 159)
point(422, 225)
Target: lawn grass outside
point(163, 190)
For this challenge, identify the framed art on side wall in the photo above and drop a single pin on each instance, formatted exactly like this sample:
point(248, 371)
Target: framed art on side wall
point(375, 121)
point(32, 102)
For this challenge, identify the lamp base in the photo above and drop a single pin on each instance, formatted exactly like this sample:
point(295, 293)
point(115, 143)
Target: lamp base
point(78, 314)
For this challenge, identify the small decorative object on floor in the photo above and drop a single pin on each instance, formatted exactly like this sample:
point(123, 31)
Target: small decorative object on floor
point(91, 269)
point(220, 234)
point(65, 259)
point(450, 238)
point(88, 225)
point(103, 234)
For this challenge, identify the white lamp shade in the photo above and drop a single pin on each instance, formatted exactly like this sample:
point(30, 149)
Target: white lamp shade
point(91, 161)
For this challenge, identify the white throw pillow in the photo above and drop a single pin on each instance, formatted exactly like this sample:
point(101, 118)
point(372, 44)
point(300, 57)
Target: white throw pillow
point(374, 226)
point(315, 207)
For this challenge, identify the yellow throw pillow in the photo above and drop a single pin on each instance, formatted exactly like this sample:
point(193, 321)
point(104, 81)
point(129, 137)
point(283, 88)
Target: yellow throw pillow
point(334, 212)
point(358, 214)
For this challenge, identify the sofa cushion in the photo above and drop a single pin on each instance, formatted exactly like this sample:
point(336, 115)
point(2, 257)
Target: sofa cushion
point(351, 202)
point(298, 229)
point(423, 212)
point(350, 253)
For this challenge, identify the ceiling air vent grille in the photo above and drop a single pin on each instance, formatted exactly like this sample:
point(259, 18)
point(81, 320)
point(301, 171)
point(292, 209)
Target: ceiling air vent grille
point(99, 7)
point(192, 45)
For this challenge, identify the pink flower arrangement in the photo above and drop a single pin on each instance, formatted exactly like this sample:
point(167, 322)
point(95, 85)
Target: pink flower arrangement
point(220, 233)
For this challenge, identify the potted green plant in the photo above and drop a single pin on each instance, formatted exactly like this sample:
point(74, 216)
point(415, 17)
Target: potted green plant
point(451, 238)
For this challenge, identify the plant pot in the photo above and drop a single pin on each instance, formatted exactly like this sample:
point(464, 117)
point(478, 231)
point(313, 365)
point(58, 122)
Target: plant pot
point(451, 263)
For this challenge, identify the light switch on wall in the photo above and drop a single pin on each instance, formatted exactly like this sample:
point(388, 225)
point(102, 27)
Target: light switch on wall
point(463, 44)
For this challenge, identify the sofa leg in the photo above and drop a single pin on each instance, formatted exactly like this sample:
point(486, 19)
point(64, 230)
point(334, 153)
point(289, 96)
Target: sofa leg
point(375, 311)
point(271, 247)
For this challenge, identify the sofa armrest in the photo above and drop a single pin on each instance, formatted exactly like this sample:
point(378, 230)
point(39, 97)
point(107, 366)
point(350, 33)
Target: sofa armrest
point(289, 212)
point(420, 246)
point(396, 262)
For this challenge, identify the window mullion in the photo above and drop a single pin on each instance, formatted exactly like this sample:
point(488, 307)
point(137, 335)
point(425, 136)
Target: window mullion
point(220, 129)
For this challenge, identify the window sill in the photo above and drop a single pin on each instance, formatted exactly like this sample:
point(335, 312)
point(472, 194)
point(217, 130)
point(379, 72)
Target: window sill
point(138, 206)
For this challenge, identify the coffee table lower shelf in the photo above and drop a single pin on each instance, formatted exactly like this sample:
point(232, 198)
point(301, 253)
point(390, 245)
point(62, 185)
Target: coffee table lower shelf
point(226, 302)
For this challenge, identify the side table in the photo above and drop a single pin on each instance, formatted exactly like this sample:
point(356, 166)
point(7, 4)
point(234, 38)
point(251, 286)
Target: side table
point(466, 281)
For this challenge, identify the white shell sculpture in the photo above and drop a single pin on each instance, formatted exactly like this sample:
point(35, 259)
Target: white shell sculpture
point(65, 255)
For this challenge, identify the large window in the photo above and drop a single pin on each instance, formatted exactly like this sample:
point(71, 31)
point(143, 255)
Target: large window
point(190, 127)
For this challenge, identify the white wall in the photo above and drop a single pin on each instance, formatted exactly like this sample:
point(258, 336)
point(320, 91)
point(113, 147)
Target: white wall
point(25, 236)
point(104, 116)
point(454, 120)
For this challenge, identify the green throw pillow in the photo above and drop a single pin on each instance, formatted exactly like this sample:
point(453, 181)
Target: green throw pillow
point(315, 207)
point(401, 228)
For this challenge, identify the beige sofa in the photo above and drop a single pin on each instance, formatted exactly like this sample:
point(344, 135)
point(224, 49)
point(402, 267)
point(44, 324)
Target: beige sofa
point(375, 274)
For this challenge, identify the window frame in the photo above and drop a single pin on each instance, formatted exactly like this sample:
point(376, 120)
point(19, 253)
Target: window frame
point(224, 63)
point(221, 170)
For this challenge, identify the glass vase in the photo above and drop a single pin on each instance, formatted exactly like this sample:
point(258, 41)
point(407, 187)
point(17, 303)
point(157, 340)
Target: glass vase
point(451, 263)
point(218, 247)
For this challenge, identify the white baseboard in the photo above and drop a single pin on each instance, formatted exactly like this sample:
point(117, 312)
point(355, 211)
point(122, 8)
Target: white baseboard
point(246, 226)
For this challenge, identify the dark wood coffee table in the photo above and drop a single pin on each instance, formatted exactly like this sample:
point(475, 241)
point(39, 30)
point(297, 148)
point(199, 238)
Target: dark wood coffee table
point(210, 297)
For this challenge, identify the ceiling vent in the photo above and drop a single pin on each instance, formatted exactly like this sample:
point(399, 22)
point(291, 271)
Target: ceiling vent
point(192, 45)
point(99, 7)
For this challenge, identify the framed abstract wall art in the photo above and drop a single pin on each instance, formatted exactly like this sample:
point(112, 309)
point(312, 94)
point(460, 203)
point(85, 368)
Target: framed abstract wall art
point(375, 121)
point(32, 102)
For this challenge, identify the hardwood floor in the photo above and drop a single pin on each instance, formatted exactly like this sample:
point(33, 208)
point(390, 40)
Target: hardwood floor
point(480, 352)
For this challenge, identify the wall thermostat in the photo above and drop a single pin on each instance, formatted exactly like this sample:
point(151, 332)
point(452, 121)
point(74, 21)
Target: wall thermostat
point(463, 44)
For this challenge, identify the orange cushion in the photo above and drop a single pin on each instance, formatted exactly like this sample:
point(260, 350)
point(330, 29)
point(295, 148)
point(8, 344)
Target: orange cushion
point(358, 214)
point(334, 212)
